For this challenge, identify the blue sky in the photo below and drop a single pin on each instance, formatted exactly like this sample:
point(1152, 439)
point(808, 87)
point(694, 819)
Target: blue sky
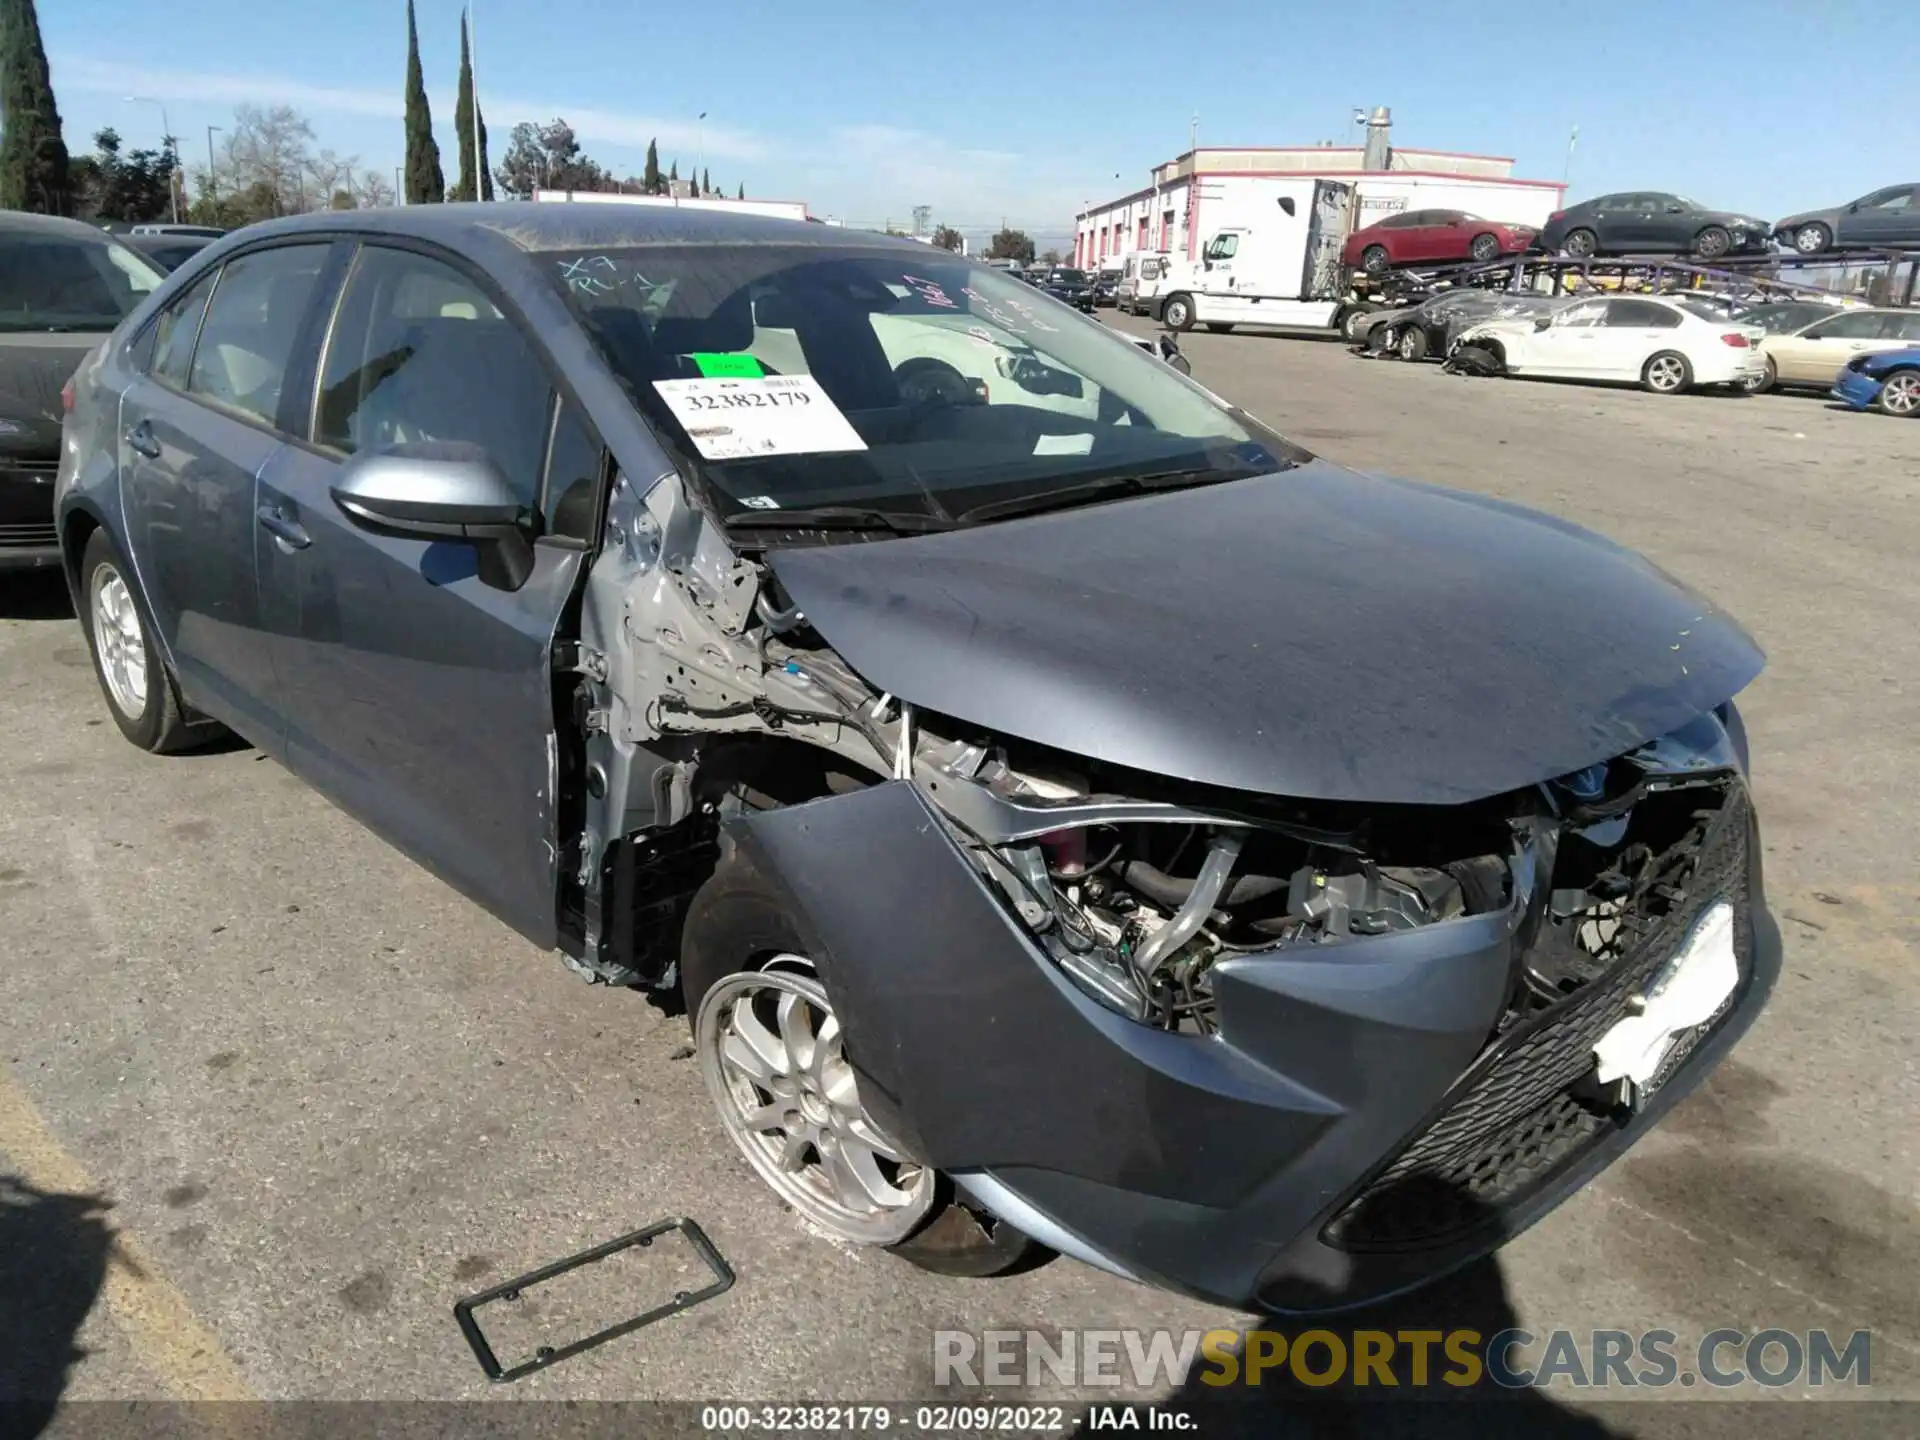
point(984, 111)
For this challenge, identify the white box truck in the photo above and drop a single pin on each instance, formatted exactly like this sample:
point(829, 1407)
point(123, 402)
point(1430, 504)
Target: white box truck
point(1270, 255)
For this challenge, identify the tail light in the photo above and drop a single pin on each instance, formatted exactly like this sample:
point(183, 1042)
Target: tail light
point(1738, 342)
point(66, 397)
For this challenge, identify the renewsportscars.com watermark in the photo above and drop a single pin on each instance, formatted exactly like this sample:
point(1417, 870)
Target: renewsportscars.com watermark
point(1513, 1359)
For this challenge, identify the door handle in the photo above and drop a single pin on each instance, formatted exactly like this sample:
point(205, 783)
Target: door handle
point(142, 440)
point(289, 532)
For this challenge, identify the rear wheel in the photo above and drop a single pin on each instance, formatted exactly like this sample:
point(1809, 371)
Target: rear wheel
point(140, 693)
point(1178, 312)
point(1356, 326)
point(1667, 373)
point(1900, 395)
point(1374, 259)
point(1413, 343)
point(772, 1053)
point(1485, 247)
point(1580, 243)
point(1712, 242)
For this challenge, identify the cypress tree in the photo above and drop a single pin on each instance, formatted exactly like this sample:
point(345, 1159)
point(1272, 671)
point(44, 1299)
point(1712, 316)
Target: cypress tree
point(425, 184)
point(706, 183)
point(486, 175)
point(743, 193)
point(465, 187)
point(33, 156)
point(650, 177)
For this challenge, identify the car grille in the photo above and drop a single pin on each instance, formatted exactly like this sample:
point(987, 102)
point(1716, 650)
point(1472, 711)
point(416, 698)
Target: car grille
point(1525, 1110)
point(20, 537)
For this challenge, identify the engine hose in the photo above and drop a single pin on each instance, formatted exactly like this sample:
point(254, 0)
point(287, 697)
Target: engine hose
point(1156, 884)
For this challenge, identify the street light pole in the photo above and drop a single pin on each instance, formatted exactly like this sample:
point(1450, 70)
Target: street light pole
point(166, 144)
point(700, 148)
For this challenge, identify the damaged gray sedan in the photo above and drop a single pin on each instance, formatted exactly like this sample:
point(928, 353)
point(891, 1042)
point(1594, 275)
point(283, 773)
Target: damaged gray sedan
point(1074, 816)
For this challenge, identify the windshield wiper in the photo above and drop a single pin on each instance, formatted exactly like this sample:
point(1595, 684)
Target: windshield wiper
point(839, 517)
point(1107, 486)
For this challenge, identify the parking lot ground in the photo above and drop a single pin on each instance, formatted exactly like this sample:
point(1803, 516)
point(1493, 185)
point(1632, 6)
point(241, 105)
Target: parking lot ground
point(324, 1096)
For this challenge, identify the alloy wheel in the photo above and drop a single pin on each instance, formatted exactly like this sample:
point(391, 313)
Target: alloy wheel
point(1580, 244)
point(1666, 373)
point(772, 1053)
point(1901, 394)
point(119, 641)
point(1810, 239)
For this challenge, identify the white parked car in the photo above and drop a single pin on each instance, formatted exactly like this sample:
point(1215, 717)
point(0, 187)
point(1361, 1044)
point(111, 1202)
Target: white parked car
point(1665, 345)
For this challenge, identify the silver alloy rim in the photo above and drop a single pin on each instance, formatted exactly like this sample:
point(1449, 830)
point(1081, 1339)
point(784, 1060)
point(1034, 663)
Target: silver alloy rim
point(1578, 244)
point(1809, 240)
point(1485, 251)
point(1711, 244)
point(1901, 394)
point(1664, 373)
point(119, 642)
point(1407, 344)
point(772, 1055)
point(1756, 382)
point(1358, 324)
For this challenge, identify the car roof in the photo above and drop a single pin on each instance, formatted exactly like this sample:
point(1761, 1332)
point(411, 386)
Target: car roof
point(23, 222)
point(558, 225)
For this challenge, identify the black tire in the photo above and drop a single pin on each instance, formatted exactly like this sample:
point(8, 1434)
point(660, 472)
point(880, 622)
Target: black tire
point(1355, 325)
point(738, 922)
point(161, 725)
point(1485, 248)
point(1900, 395)
point(1712, 242)
point(1580, 243)
point(1218, 329)
point(1812, 238)
point(1763, 382)
point(1667, 373)
point(1412, 344)
point(1177, 313)
point(1374, 260)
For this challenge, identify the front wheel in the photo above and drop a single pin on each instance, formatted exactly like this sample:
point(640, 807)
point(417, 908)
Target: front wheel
point(1667, 373)
point(1900, 395)
point(1812, 238)
point(1178, 313)
point(1413, 343)
point(772, 1053)
point(1712, 242)
point(1485, 247)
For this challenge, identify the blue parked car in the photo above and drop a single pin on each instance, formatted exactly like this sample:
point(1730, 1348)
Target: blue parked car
point(1888, 382)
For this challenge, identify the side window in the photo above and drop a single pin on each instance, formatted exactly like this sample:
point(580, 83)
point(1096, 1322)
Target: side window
point(1582, 316)
point(1223, 247)
point(1640, 315)
point(1861, 325)
point(175, 330)
point(573, 475)
point(1903, 327)
point(418, 352)
point(1888, 200)
point(251, 324)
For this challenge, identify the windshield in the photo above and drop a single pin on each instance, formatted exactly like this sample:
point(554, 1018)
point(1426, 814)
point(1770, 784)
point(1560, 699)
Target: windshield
point(50, 281)
point(797, 377)
point(1703, 309)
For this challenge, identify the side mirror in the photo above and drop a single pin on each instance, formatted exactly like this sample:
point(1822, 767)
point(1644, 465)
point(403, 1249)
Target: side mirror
point(1545, 322)
point(1854, 208)
point(441, 490)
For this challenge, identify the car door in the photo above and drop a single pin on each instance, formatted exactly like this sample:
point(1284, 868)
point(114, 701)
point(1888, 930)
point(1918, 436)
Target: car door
point(197, 427)
point(1818, 353)
point(1629, 335)
point(1570, 345)
point(418, 696)
point(1220, 253)
point(1886, 217)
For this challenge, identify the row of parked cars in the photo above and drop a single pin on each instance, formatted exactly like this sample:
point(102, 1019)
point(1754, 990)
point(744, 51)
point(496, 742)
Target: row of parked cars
point(1637, 222)
point(1669, 343)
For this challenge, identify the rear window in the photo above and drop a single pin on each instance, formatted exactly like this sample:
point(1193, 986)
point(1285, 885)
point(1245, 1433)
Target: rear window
point(60, 282)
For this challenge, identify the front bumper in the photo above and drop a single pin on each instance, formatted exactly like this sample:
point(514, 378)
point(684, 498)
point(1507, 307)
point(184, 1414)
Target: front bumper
point(1855, 388)
point(1353, 1131)
point(28, 538)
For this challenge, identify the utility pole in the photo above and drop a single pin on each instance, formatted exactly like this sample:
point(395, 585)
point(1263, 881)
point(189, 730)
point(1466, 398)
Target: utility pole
point(399, 188)
point(213, 178)
point(1193, 132)
point(1567, 173)
point(700, 146)
point(167, 145)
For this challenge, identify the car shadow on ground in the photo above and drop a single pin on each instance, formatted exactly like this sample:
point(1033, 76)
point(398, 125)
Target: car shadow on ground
point(54, 1252)
point(35, 595)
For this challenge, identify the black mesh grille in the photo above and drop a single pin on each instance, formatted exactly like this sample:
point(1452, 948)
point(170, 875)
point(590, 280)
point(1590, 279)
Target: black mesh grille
point(29, 533)
point(1526, 1109)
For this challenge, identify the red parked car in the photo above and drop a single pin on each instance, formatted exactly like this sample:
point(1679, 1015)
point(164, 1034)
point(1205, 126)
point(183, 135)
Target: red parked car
point(1428, 236)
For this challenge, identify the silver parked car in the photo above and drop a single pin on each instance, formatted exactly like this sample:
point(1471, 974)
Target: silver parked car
point(1074, 815)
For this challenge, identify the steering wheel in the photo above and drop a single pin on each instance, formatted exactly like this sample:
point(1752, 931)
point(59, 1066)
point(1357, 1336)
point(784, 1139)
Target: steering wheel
point(926, 383)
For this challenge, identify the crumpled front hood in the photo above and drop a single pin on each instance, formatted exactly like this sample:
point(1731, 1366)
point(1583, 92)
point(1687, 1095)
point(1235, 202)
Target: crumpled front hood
point(1315, 633)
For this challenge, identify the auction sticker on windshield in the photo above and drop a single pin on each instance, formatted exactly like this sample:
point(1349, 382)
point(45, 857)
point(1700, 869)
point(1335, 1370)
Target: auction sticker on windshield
point(739, 418)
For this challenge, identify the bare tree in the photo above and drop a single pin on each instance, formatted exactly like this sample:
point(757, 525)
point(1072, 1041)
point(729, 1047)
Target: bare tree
point(267, 157)
point(372, 189)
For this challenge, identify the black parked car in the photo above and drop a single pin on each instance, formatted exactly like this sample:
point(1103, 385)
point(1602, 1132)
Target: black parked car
point(1075, 287)
point(1889, 217)
point(1106, 288)
point(169, 249)
point(1651, 222)
point(63, 287)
